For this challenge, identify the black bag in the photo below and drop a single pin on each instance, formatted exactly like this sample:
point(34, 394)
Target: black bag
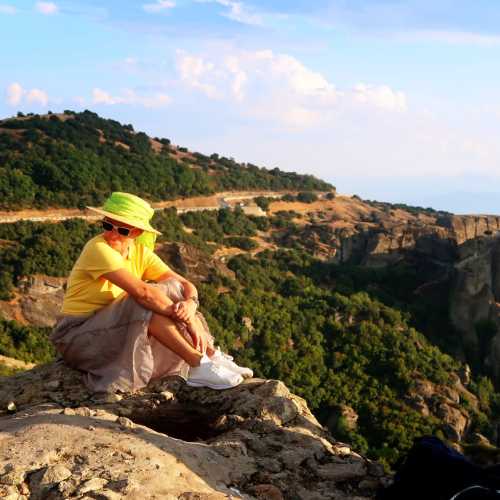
point(476, 493)
point(433, 471)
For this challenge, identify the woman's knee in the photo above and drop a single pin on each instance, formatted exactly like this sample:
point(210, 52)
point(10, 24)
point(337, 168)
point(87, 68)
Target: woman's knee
point(173, 288)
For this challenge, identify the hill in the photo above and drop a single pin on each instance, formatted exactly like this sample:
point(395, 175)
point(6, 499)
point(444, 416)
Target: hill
point(76, 159)
point(340, 334)
point(366, 309)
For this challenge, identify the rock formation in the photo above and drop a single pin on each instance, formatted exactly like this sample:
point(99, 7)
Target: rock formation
point(475, 300)
point(459, 254)
point(169, 441)
point(37, 301)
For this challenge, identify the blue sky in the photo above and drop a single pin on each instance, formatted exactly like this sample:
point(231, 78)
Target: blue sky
point(397, 100)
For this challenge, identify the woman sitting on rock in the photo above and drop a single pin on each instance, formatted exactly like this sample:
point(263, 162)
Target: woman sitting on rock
point(122, 330)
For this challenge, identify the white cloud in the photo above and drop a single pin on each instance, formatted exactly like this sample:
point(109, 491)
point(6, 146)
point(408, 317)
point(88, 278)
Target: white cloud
point(158, 6)
point(193, 69)
point(279, 87)
point(237, 87)
point(37, 96)
point(380, 96)
point(237, 11)
point(46, 8)
point(232, 73)
point(130, 97)
point(99, 96)
point(295, 75)
point(14, 94)
point(7, 9)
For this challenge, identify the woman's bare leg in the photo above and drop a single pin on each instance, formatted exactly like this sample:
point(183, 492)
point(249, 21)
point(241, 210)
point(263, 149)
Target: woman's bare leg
point(166, 332)
point(195, 328)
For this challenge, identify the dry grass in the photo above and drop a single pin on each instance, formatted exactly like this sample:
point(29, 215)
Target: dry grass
point(15, 363)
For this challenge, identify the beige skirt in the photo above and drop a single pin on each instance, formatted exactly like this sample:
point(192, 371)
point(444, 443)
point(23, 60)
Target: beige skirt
point(112, 346)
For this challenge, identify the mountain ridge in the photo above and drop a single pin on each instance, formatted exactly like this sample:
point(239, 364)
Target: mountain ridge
point(78, 160)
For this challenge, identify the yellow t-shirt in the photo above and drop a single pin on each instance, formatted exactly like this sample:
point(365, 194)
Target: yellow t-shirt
point(88, 291)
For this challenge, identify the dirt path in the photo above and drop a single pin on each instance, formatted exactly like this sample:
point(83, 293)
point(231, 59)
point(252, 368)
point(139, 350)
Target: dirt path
point(213, 202)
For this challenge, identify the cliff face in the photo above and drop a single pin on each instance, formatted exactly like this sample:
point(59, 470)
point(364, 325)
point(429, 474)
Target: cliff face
point(465, 253)
point(37, 301)
point(475, 300)
point(460, 254)
point(169, 441)
point(388, 239)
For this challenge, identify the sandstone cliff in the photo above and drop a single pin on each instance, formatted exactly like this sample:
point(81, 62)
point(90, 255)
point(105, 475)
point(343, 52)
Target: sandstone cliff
point(460, 256)
point(475, 300)
point(169, 442)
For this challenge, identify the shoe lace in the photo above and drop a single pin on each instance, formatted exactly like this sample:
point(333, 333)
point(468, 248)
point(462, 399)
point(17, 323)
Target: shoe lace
point(223, 354)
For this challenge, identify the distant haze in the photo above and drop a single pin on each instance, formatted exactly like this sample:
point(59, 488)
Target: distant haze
point(438, 193)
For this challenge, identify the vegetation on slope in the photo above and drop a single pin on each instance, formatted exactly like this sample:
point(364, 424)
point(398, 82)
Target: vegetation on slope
point(26, 343)
point(79, 160)
point(386, 206)
point(31, 247)
point(334, 334)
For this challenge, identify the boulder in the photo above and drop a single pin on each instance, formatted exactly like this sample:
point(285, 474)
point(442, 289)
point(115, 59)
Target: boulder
point(454, 421)
point(256, 440)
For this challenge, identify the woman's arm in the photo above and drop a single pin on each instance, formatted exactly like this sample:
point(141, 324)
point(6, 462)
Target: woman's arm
point(185, 310)
point(148, 296)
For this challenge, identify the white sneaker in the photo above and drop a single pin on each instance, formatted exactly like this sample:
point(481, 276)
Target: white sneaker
point(213, 375)
point(223, 359)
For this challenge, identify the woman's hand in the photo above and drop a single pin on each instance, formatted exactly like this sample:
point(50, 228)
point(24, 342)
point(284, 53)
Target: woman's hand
point(185, 310)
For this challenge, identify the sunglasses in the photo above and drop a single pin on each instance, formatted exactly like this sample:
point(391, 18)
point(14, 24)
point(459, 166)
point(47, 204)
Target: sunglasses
point(108, 226)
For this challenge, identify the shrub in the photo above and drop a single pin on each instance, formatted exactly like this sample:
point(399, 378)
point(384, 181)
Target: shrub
point(307, 197)
point(240, 242)
point(263, 202)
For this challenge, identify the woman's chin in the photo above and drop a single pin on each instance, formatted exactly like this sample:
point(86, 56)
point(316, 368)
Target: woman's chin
point(114, 243)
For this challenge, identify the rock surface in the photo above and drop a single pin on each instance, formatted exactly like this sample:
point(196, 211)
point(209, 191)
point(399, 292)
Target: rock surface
point(443, 403)
point(37, 301)
point(169, 441)
point(475, 298)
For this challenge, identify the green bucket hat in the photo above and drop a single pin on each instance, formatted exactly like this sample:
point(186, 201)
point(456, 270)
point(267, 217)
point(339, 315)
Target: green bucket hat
point(132, 210)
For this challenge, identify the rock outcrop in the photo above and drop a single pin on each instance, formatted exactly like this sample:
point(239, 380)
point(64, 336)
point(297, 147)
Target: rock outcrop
point(445, 402)
point(192, 262)
point(37, 301)
point(475, 301)
point(169, 441)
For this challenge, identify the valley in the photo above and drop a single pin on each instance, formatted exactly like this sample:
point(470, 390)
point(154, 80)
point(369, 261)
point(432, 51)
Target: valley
point(383, 317)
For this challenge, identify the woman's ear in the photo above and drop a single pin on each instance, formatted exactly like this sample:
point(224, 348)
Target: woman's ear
point(136, 232)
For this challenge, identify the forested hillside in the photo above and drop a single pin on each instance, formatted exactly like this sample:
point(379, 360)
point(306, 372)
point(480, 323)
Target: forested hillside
point(76, 159)
point(361, 307)
point(340, 336)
